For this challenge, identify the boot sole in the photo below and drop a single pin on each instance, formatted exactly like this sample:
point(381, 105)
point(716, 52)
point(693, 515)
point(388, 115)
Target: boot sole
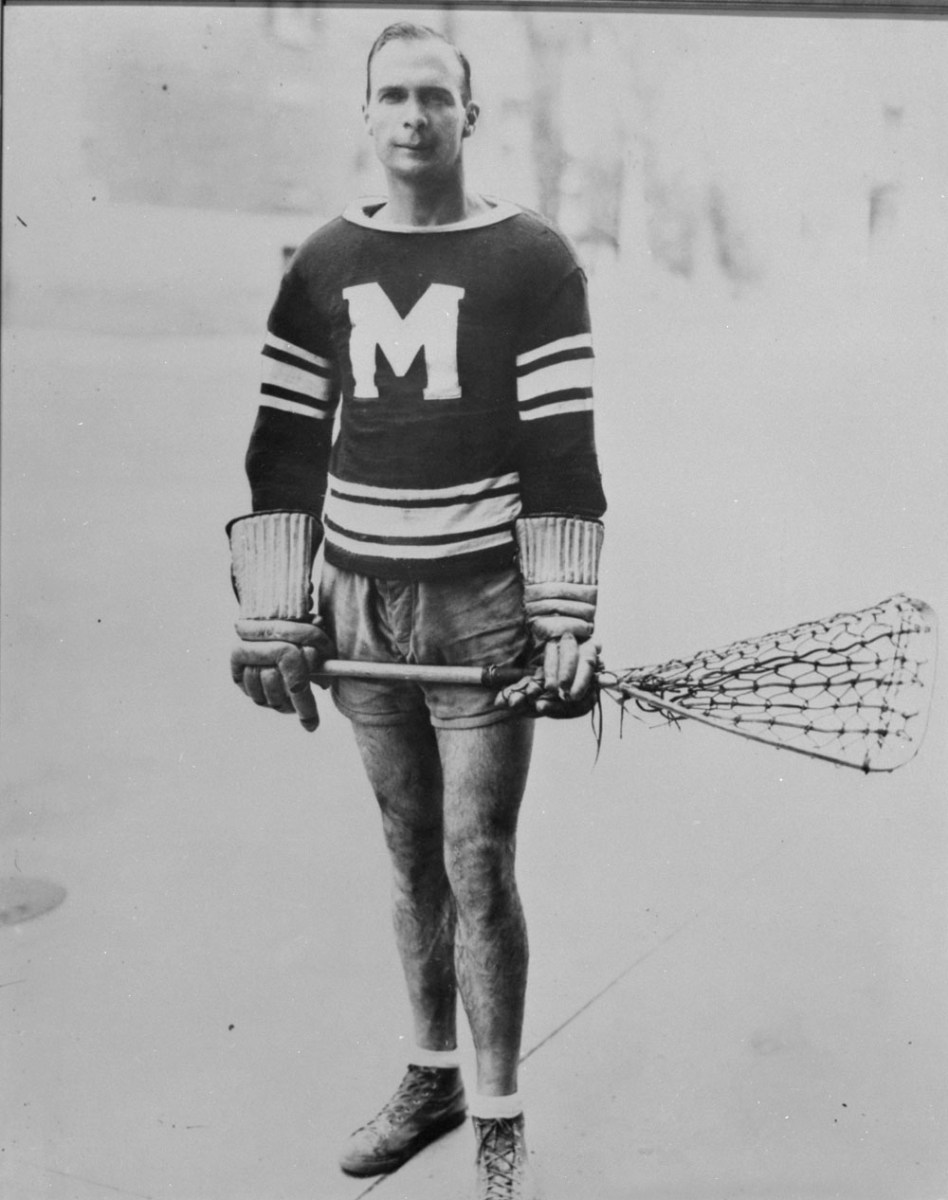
point(384, 1166)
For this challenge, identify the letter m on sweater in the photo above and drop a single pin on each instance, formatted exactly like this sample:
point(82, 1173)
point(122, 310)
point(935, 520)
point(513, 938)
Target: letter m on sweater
point(431, 326)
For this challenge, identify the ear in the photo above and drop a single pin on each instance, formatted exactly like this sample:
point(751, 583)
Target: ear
point(473, 112)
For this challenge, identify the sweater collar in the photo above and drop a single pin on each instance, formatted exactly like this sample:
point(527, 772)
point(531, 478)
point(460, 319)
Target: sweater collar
point(370, 213)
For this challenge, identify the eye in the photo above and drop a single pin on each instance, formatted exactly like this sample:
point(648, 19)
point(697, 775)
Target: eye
point(436, 97)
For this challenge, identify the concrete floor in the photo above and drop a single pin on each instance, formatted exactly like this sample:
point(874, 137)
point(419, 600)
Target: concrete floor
point(738, 956)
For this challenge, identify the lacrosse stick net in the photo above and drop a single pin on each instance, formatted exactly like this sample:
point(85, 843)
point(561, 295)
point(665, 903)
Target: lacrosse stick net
point(852, 688)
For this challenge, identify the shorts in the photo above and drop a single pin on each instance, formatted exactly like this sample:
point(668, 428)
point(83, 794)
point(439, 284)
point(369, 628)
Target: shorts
point(475, 621)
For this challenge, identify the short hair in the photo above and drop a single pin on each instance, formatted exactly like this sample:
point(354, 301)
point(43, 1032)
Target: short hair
point(407, 31)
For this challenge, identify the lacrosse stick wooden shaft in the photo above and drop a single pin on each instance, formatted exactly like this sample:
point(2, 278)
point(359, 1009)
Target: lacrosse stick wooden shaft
point(491, 677)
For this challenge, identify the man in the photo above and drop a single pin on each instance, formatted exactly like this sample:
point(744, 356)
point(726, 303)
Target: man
point(461, 505)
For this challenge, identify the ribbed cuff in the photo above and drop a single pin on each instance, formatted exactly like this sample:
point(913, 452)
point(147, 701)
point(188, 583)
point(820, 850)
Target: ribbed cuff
point(559, 549)
point(272, 558)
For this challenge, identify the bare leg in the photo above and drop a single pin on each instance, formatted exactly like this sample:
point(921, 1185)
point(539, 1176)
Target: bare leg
point(457, 912)
point(485, 772)
point(404, 770)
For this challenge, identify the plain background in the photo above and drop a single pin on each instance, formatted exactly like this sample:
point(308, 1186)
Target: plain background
point(738, 979)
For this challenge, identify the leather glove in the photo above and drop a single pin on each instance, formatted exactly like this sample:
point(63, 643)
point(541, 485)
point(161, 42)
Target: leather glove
point(281, 642)
point(559, 561)
point(534, 695)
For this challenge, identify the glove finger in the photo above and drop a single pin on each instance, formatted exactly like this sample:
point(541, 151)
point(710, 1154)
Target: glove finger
point(521, 693)
point(560, 661)
point(586, 667)
point(253, 686)
point(297, 633)
point(294, 670)
point(563, 710)
point(551, 663)
point(306, 710)
point(509, 698)
point(259, 654)
point(238, 666)
point(544, 705)
point(314, 660)
point(271, 681)
point(286, 670)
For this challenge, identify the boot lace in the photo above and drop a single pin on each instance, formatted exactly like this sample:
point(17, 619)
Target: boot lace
point(499, 1159)
point(414, 1090)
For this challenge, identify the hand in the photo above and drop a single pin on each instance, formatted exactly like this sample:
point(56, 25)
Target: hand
point(273, 662)
point(563, 685)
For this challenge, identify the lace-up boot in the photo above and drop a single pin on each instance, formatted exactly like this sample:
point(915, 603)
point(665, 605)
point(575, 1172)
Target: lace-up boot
point(428, 1103)
point(503, 1170)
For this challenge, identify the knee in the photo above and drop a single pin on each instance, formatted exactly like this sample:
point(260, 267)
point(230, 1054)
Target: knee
point(417, 856)
point(413, 828)
point(480, 869)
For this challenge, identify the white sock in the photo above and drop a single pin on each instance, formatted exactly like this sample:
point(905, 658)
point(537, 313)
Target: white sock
point(490, 1108)
point(420, 1057)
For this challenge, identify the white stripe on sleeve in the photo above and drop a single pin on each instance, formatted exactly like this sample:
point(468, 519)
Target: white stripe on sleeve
point(291, 406)
point(294, 379)
point(581, 404)
point(560, 377)
point(579, 341)
point(285, 347)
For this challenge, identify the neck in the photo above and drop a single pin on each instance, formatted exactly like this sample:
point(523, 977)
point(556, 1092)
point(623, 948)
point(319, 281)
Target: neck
point(440, 204)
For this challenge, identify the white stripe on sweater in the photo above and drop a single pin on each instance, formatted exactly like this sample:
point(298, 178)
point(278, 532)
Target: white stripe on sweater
point(394, 495)
point(450, 520)
point(401, 551)
point(573, 373)
point(580, 404)
point(295, 379)
point(579, 341)
point(291, 406)
point(278, 343)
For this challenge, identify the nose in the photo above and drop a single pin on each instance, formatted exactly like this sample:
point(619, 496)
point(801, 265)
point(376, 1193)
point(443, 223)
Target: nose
point(414, 115)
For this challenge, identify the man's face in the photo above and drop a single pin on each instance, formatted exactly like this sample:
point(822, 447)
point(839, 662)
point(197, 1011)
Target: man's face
point(415, 113)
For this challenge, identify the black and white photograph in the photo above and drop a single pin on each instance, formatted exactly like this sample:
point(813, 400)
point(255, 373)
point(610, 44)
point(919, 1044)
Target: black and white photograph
point(474, 490)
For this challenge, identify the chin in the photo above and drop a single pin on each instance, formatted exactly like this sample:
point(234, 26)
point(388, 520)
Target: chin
point(419, 171)
point(408, 159)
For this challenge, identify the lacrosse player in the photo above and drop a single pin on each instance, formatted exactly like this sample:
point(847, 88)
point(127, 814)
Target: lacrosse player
point(459, 510)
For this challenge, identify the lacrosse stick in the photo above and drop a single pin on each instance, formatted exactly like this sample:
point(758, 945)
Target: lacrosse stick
point(851, 689)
